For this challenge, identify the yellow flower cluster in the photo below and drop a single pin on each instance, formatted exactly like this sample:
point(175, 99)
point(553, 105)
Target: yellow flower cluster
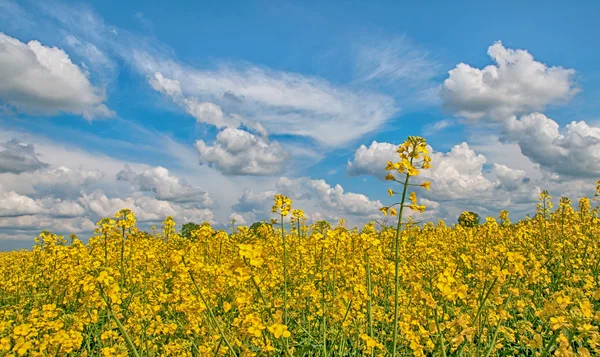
point(282, 204)
point(414, 157)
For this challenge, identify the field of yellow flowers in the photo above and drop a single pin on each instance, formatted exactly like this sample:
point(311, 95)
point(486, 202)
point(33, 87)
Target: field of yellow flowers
point(529, 288)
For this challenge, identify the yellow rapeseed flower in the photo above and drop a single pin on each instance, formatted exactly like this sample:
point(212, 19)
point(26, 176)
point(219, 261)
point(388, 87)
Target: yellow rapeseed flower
point(279, 330)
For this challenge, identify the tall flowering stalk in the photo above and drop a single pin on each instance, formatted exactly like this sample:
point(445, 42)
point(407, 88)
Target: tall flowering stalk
point(126, 220)
point(299, 217)
point(413, 157)
point(283, 206)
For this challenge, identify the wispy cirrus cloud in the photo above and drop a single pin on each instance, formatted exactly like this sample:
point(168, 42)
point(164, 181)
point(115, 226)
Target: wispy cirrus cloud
point(438, 126)
point(283, 103)
point(398, 66)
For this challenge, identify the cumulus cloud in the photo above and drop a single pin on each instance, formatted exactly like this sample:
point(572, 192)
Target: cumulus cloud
point(251, 201)
point(13, 204)
point(453, 175)
point(576, 152)
point(62, 182)
point(457, 174)
point(165, 186)
point(237, 218)
point(460, 179)
point(68, 199)
point(372, 160)
point(312, 195)
point(146, 209)
point(508, 178)
point(328, 197)
point(37, 79)
point(56, 182)
point(516, 84)
point(238, 152)
point(17, 157)
point(27, 227)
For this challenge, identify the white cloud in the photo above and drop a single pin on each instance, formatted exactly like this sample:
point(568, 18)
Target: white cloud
point(146, 209)
point(238, 218)
point(508, 154)
point(281, 102)
point(460, 182)
point(453, 175)
point(438, 126)
point(394, 60)
point(522, 192)
point(348, 202)
point(372, 160)
point(250, 201)
point(37, 79)
point(312, 196)
point(398, 66)
point(17, 157)
point(167, 86)
point(13, 204)
point(28, 227)
point(509, 179)
point(203, 112)
point(574, 153)
point(91, 52)
point(238, 152)
point(62, 182)
point(165, 186)
point(516, 84)
point(457, 174)
point(209, 113)
point(56, 207)
point(67, 200)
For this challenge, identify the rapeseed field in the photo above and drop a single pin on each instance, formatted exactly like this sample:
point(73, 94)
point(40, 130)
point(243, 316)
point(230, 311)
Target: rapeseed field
point(286, 288)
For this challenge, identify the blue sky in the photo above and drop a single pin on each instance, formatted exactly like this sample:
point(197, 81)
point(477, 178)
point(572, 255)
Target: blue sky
point(130, 98)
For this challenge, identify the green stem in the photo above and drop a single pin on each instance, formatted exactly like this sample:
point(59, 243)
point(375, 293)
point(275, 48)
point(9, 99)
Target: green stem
point(370, 301)
point(550, 343)
point(439, 331)
point(105, 249)
point(122, 254)
point(210, 312)
point(285, 305)
point(397, 264)
point(284, 272)
point(323, 301)
point(120, 326)
point(495, 336)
